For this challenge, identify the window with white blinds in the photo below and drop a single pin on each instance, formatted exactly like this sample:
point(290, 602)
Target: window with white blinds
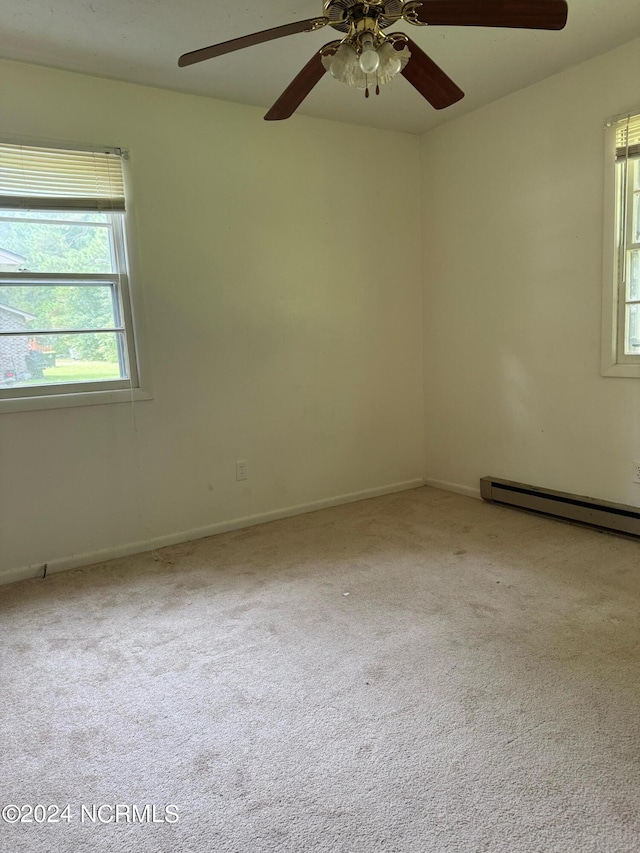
point(621, 300)
point(627, 137)
point(34, 178)
point(66, 318)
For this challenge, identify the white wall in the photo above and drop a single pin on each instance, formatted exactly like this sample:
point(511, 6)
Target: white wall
point(283, 314)
point(512, 244)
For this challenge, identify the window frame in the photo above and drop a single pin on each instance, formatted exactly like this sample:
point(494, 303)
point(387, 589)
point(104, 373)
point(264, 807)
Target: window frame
point(137, 385)
point(618, 215)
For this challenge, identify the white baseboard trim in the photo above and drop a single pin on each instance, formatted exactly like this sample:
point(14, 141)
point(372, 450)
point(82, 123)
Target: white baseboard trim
point(63, 564)
point(453, 487)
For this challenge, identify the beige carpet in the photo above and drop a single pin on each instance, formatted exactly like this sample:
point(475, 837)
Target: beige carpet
point(477, 689)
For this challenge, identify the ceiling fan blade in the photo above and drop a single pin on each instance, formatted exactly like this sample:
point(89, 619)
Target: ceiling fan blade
point(429, 79)
point(527, 14)
point(298, 89)
point(248, 41)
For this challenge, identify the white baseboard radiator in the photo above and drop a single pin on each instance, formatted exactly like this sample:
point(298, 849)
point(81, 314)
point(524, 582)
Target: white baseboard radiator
point(604, 515)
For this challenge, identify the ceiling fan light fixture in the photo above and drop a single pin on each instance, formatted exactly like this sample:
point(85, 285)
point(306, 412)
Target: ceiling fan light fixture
point(347, 67)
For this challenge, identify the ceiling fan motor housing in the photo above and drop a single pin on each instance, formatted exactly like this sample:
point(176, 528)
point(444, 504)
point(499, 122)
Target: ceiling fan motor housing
point(343, 14)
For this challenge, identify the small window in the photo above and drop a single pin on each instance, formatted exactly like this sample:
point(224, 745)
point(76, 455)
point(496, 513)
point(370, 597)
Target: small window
point(621, 303)
point(66, 321)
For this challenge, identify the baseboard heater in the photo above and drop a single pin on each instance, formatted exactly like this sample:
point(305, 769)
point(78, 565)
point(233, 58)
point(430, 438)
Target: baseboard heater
point(590, 511)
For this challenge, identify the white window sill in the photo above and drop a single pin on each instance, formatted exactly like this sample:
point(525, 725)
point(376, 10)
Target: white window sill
point(631, 371)
point(63, 401)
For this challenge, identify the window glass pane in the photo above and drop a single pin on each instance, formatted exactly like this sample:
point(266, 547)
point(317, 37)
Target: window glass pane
point(633, 283)
point(58, 359)
point(58, 307)
point(632, 342)
point(56, 242)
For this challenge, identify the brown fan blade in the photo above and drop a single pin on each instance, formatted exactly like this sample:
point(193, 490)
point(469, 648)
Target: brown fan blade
point(248, 41)
point(429, 79)
point(298, 89)
point(527, 14)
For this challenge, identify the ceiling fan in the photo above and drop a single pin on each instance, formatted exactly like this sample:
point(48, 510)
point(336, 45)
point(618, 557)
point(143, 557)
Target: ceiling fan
point(366, 55)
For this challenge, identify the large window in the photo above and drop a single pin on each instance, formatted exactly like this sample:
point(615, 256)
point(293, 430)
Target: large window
point(621, 305)
point(66, 321)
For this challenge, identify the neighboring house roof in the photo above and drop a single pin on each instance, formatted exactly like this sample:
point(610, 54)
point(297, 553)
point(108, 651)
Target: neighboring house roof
point(10, 259)
point(24, 314)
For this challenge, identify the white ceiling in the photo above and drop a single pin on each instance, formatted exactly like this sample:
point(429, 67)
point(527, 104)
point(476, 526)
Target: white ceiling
point(140, 41)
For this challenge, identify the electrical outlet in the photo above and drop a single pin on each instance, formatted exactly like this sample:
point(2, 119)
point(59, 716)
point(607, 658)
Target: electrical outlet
point(242, 472)
point(636, 472)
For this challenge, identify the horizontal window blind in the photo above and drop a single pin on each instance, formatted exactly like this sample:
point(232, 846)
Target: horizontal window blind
point(35, 178)
point(628, 137)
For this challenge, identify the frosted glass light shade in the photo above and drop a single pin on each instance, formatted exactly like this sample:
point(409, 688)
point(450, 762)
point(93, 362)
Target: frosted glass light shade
point(392, 61)
point(342, 64)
